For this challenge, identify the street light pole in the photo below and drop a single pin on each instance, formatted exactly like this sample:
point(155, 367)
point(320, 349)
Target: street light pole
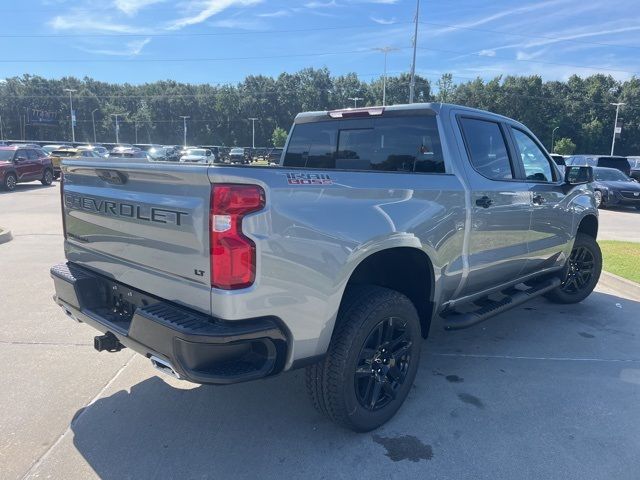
point(73, 127)
point(93, 121)
point(355, 101)
point(253, 132)
point(412, 83)
point(117, 126)
point(1, 132)
point(184, 122)
point(386, 51)
point(615, 125)
point(553, 136)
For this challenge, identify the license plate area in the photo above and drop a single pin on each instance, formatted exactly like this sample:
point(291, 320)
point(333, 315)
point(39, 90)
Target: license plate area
point(116, 303)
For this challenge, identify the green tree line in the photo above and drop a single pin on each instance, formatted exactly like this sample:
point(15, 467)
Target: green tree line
point(579, 107)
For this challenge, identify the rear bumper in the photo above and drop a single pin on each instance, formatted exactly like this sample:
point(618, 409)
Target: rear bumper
point(199, 348)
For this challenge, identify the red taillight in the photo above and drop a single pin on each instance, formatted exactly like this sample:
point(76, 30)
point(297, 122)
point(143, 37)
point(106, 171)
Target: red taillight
point(233, 256)
point(64, 220)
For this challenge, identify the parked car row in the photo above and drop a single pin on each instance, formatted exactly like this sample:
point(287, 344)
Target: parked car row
point(24, 163)
point(615, 178)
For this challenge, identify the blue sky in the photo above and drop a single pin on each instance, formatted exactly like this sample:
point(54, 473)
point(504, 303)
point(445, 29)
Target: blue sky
point(138, 41)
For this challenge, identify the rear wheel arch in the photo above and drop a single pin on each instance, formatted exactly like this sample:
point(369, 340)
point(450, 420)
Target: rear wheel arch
point(407, 270)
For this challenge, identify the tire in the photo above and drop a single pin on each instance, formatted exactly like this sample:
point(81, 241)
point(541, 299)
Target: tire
point(47, 177)
point(598, 195)
point(371, 362)
point(10, 181)
point(581, 273)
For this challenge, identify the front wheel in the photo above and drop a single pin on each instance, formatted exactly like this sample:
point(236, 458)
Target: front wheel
point(47, 177)
point(10, 182)
point(371, 362)
point(598, 196)
point(581, 272)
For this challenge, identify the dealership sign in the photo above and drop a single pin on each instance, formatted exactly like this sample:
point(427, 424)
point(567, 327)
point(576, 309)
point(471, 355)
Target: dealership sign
point(41, 117)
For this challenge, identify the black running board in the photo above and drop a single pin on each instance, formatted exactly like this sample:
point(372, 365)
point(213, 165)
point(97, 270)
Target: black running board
point(488, 308)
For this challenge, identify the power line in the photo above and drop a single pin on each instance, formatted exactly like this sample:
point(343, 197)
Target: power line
point(193, 34)
point(302, 55)
point(528, 35)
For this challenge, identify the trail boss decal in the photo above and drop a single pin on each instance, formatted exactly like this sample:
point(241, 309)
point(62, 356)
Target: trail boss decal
point(294, 178)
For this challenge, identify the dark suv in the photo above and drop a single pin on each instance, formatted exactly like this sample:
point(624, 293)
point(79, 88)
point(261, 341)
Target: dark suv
point(606, 161)
point(20, 164)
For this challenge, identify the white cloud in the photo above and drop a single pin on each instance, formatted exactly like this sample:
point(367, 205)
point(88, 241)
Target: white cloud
point(576, 36)
point(131, 7)
point(521, 55)
point(86, 23)
point(487, 53)
point(497, 16)
point(317, 4)
point(209, 8)
point(132, 48)
point(383, 21)
point(240, 23)
point(277, 13)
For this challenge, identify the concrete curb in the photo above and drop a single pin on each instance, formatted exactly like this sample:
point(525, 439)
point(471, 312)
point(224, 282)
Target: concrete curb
point(5, 235)
point(619, 284)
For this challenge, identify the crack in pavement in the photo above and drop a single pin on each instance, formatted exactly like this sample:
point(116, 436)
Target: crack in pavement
point(53, 344)
point(557, 359)
point(45, 455)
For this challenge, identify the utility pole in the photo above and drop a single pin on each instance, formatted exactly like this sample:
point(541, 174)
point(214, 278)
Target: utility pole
point(253, 131)
point(386, 51)
point(73, 115)
point(184, 122)
point(117, 126)
point(355, 101)
point(93, 120)
point(553, 137)
point(1, 132)
point(412, 84)
point(615, 125)
point(135, 126)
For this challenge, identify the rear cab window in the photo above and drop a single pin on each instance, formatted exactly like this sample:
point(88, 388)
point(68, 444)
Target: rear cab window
point(396, 143)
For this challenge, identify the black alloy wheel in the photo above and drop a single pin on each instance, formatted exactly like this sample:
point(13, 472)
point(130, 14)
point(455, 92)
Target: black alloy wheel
point(580, 269)
point(383, 364)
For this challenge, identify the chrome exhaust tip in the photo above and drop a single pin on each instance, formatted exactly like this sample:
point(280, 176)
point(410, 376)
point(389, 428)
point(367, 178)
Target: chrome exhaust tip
point(165, 367)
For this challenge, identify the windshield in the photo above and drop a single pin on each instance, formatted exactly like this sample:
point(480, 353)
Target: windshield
point(6, 155)
point(610, 176)
point(196, 151)
point(237, 151)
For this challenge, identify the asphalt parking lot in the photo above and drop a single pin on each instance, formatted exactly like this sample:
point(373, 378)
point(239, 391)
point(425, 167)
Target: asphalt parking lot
point(542, 391)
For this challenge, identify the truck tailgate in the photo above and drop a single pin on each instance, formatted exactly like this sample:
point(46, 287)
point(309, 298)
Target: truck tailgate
point(141, 224)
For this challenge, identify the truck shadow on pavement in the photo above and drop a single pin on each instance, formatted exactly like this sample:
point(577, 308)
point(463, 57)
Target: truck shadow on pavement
point(459, 404)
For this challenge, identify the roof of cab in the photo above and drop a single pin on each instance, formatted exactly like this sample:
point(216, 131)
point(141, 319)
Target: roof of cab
point(427, 108)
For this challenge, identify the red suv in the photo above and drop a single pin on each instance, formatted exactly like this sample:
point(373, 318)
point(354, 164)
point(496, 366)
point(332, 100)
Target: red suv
point(24, 164)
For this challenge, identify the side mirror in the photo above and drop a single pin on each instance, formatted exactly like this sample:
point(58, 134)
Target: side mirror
point(578, 175)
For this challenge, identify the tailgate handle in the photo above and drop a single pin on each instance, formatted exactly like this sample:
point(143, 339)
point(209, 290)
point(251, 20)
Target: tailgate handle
point(112, 176)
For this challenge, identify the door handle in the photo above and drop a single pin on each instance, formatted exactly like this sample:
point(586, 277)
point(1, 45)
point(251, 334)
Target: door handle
point(484, 202)
point(538, 199)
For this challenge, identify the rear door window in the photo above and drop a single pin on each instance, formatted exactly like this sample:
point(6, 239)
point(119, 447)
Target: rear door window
point(487, 148)
point(392, 144)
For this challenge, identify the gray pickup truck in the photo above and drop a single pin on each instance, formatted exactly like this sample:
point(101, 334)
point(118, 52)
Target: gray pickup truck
point(377, 222)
